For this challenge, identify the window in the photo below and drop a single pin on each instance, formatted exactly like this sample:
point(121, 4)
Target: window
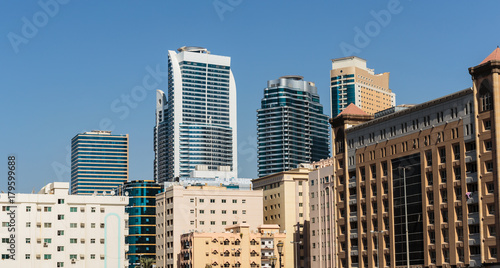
point(191, 200)
point(212, 200)
point(60, 201)
point(92, 209)
point(489, 166)
point(47, 225)
point(225, 211)
point(202, 211)
point(486, 101)
point(27, 256)
point(235, 201)
point(73, 209)
point(243, 201)
point(212, 223)
point(47, 256)
point(47, 240)
point(92, 256)
point(92, 225)
point(487, 124)
point(224, 222)
point(28, 240)
point(72, 256)
point(60, 232)
point(92, 241)
point(60, 264)
point(202, 222)
point(235, 212)
point(28, 209)
point(244, 212)
point(60, 217)
point(47, 209)
point(60, 248)
point(72, 225)
point(442, 155)
point(202, 200)
point(212, 211)
point(488, 145)
point(223, 201)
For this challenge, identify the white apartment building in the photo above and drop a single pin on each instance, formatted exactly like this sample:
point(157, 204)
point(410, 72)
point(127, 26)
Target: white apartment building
point(55, 229)
point(208, 209)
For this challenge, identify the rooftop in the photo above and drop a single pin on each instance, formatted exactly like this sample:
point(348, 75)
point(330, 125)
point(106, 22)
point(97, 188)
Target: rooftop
point(495, 55)
point(353, 109)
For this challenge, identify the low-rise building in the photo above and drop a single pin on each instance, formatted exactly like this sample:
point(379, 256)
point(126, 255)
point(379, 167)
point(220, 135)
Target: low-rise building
point(239, 246)
point(183, 209)
point(54, 229)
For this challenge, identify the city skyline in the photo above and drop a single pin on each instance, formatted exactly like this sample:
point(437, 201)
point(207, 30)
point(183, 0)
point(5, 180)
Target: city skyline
point(102, 74)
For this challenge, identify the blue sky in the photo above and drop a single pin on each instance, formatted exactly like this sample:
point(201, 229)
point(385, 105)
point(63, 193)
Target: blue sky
point(65, 64)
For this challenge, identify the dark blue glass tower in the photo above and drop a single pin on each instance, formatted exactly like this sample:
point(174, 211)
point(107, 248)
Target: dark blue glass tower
point(291, 126)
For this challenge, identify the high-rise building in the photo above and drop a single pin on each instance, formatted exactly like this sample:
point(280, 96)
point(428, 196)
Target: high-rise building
point(204, 209)
point(291, 126)
point(141, 211)
point(286, 203)
point(417, 186)
point(197, 124)
point(352, 82)
point(99, 162)
point(238, 246)
point(54, 229)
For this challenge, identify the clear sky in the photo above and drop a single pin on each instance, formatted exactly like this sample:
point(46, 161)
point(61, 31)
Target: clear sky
point(72, 66)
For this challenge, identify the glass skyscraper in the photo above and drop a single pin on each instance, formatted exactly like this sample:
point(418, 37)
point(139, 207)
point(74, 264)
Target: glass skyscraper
point(291, 126)
point(196, 121)
point(141, 211)
point(99, 162)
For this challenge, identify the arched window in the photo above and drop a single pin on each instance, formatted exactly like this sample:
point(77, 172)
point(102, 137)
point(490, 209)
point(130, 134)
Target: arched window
point(485, 97)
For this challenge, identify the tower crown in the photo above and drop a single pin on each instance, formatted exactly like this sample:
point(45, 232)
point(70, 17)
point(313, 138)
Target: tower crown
point(495, 55)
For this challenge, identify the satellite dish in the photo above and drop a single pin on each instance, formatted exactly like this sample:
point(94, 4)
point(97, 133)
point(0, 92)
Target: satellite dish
point(113, 192)
point(126, 193)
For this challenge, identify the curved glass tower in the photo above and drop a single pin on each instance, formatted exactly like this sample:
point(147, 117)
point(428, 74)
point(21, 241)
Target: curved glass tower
point(198, 120)
point(291, 126)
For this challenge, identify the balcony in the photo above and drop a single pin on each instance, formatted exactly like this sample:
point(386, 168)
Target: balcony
point(353, 235)
point(352, 199)
point(473, 218)
point(474, 239)
point(470, 156)
point(473, 198)
point(471, 177)
point(352, 182)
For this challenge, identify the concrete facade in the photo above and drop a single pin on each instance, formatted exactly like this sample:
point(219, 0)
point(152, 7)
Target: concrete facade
point(181, 210)
point(286, 203)
point(54, 229)
point(430, 169)
point(239, 246)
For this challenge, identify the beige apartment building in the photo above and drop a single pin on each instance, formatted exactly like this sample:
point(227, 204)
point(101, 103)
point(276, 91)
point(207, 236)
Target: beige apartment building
point(352, 82)
point(239, 246)
point(321, 199)
point(205, 209)
point(286, 203)
point(419, 185)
